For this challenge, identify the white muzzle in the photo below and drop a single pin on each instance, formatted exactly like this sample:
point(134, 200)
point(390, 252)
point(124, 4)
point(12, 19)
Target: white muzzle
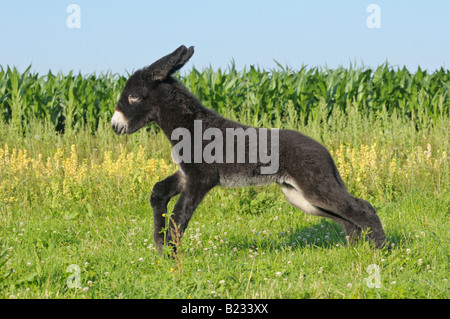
point(119, 123)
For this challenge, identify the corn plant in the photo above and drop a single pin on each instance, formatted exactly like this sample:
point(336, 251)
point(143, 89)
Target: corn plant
point(253, 95)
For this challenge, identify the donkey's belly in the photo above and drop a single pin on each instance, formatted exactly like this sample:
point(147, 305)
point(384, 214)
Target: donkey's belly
point(236, 180)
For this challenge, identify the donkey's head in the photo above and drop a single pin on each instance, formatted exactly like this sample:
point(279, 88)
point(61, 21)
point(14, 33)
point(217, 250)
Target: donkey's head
point(138, 103)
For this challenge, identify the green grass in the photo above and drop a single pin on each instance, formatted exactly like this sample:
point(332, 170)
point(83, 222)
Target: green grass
point(240, 243)
point(274, 253)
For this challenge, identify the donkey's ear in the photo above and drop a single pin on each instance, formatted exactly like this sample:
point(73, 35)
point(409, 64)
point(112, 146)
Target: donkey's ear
point(170, 63)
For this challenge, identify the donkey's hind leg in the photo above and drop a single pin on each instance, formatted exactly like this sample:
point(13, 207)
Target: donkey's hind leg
point(296, 198)
point(364, 215)
point(352, 232)
point(355, 210)
point(333, 201)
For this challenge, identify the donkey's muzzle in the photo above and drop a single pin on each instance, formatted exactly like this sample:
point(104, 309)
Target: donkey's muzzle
point(119, 123)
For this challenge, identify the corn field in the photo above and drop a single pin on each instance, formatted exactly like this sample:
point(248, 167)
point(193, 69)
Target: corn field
point(73, 101)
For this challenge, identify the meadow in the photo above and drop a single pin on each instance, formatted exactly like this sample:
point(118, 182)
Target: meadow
point(75, 217)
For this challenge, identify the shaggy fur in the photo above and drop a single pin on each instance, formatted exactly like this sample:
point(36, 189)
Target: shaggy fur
point(307, 174)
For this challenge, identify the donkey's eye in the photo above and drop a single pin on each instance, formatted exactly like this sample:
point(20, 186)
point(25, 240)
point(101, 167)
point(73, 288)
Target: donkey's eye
point(133, 99)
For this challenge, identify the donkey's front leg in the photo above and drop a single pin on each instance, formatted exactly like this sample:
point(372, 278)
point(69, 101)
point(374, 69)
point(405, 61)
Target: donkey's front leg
point(162, 193)
point(189, 199)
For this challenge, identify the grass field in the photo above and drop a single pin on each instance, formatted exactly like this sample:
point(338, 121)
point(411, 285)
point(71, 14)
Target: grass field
point(76, 222)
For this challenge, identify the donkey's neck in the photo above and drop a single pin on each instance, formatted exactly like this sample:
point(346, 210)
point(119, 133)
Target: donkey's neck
point(181, 111)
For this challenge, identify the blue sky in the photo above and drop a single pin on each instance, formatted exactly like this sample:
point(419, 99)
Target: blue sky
point(122, 36)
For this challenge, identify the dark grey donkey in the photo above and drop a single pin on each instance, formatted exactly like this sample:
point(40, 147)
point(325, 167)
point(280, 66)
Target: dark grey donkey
point(217, 151)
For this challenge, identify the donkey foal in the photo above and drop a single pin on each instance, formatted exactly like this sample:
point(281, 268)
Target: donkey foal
point(301, 166)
